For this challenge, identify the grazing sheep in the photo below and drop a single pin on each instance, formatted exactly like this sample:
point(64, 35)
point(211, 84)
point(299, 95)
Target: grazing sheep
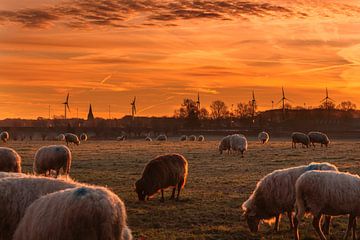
point(275, 195)
point(53, 157)
point(75, 214)
point(161, 137)
point(298, 137)
point(10, 160)
point(318, 137)
point(18, 193)
point(4, 136)
point(263, 137)
point(183, 138)
point(238, 143)
point(71, 138)
point(121, 138)
point(224, 144)
point(60, 137)
point(12, 175)
point(192, 138)
point(201, 138)
point(160, 173)
point(327, 193)
point(148, 139)
point(83, 137)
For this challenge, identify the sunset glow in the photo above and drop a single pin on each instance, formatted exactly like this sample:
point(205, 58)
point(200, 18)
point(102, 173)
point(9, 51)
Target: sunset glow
point(106, 52)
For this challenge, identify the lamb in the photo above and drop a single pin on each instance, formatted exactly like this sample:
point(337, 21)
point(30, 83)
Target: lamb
point(275, 195)
point(74, 214)
point(238, 143)
point(53, 157)
point(60, 137)
point(263, 137)
point(164, 171)
point(71, 138)
point(298, 137)
point(201, 138)
point(4, 136)
point(183, 138)
point(18, 193)
point(192, 138)
point(327, 193)
point(318, 137)
point(10, 160)
point(161, 137)
point(224, 144)
point(148, 139)
point(83, 137)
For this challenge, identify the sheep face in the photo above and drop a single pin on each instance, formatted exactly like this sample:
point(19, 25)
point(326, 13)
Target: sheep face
point(253, 223)
point(140, 189)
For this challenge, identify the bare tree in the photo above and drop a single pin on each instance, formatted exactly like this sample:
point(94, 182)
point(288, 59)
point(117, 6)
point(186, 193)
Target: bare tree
point(346, 106)
point(219, 109)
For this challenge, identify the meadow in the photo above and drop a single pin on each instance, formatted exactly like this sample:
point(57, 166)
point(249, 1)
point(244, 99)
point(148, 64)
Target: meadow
point(209, 206)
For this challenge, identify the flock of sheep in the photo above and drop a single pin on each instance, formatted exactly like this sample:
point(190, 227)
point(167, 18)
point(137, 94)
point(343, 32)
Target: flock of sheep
point(38, 207)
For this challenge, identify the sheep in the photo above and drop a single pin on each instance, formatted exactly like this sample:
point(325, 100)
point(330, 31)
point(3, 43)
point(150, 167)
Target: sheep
point(83, 137)
point(148, 139)
point(161, 137)
point(238, 143)
point(71, 138)
point(263, 137)
point(121, 138)
point(327, 193)
point(77, 213)
point(164, 171)
point(224, 144)
point(18, 193)
point(60, 137)
point(201, 138)
point(192, 138)
point(298, 137)
point(53, 157)
point(4, 136)
point(12, 174)
point(275, 195)
point(183, 138)
point(318, 137)
point(10, 160)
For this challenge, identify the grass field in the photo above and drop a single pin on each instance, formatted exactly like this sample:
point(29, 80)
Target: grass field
point(217, 184)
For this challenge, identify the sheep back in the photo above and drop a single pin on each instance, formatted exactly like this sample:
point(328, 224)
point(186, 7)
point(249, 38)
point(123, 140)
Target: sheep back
point(10, 160)
point(298, 137)
point(53, 157)
point(318, 137)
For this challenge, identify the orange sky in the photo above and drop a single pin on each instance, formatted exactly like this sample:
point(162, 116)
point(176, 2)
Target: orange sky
point(107, 51)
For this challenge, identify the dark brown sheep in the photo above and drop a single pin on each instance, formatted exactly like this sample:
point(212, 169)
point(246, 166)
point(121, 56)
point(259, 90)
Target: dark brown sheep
point(10, 160)
point(160, 173)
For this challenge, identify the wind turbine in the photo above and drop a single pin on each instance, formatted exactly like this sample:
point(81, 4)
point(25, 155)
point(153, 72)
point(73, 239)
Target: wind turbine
point(133, 107)
point(66, 105)
point(327, 99)
point(283, 99)
point(198, 101)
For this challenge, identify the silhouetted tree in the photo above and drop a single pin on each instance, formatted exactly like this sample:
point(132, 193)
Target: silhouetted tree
point(188, 110)
point(346, 106)
point(203, 114)
point(327, 105)
point(219, 109)
point(244, 110)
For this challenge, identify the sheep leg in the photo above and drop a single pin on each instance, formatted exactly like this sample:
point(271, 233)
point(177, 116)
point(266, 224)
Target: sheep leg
point(326, 225)
point(173, 194)
point(277, 219)
point(180, 185)
point(350, 225)
point(162, 196)
point(291, 219)
point(296, 229)
point(316, 225)
point(57, 173)
point(354, 229)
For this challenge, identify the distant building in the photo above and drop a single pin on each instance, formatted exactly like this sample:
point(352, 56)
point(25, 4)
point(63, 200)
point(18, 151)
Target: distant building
point(90, 114)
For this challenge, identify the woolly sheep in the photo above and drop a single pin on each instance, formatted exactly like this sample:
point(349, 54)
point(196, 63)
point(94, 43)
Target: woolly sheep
point(60, 137)
point(201, 138)
point(263, 137)
point(10, 160)
point(148, 139)
point(160, 173)
point(161, 137)
point(183, 138)
point(327, 193)
point(74, 214)
point(192, 138)
point(121, 138)
point(53, 157)
point(318, 137)
point(83, 137)
point(238, 143)
point(298, 137)
point(4, 136)
point(275, 195)
point(18, 193)
point(71, 138)
point(12, 175)
point(224, 144)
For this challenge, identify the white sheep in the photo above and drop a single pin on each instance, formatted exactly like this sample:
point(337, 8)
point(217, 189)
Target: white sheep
point(318, 137)
point(83, 137)
point(53, 157)
point(121, 138)
point(263, 137)
point(238, 143)
point(275, 195)
point(161, 137)
point(298, 137)
point(327, 193)
point(71, 138)
point(78, 213)
point(12, 175)
point(224, 144)
point(60, 137)
point(192, 138)
point(10, 160)
point(148, 139)
point(201, 138)
point(4, 136)
point(183, 138)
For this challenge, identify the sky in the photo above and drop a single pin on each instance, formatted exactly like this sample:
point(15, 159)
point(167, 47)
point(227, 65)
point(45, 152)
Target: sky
point(105, 52)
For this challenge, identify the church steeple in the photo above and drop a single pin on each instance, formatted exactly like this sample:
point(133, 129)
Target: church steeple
point(90, 114)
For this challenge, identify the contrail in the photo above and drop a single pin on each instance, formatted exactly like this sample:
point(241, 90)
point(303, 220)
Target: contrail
point(105, 79)
point(154, 105)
